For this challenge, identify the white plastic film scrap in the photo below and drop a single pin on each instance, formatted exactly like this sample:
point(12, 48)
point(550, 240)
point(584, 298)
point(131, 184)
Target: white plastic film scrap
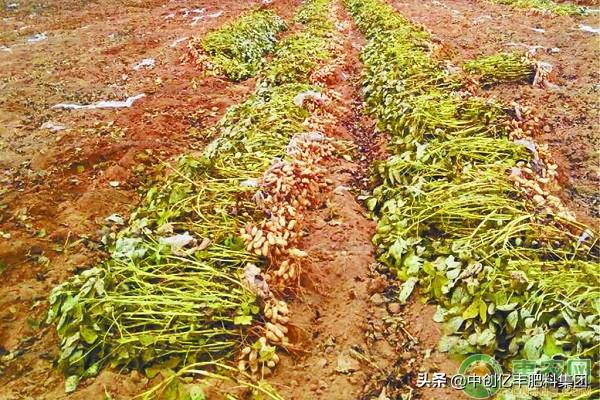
point(101, 104)
point(176, 42)
point(202, 16)
point(177, 241)
point(145, 63)
point(309, 94)
point(53, 127)
point(37, 38)
point(249, 183)
point(587, 28)
point(215, 14)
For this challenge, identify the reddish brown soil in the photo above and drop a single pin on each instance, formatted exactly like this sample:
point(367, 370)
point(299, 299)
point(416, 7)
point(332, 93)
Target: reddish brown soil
point(345, 313)
point(56, 190)
point(354, 340)
point(570, 113)
point(56, 194)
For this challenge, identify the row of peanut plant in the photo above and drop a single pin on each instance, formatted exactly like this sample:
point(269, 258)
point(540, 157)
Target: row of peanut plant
point(180, 286)
point(464, 210)
point(238, 49)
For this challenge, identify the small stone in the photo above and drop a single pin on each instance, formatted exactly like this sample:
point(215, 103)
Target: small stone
point(394, 308)
point(135, 376)
point(547, 128)
point(377, 285)
point(377, 299)
point(346, 363)
point(321, 362)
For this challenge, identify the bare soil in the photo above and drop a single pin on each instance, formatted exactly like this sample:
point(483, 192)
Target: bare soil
point(569, 113)
point(58, 187)
point(353, 340)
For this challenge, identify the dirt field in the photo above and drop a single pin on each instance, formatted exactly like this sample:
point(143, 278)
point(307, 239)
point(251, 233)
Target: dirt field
point(63, 172)
point(569, 111)
point(57, 188)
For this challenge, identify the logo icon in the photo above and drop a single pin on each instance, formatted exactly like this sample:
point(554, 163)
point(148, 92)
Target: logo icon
point(482, 376)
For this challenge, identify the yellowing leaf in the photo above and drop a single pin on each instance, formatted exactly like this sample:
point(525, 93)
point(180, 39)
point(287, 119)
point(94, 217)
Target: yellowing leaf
point(88, 334)
point(482, 311)
point(472, 311)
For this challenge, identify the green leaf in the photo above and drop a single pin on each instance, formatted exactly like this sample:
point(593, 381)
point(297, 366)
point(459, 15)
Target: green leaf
point(155, 369)
point(446, 343)
point(71, 383)
point(171, 392)
point(407, 289)
point(439, 281)
point(507, 307)
point(122, 354)
point(458, 295)
point(196, 393)
point(147, 340)
point(440, 314)
point(52, 313)
point(128, 248)
point(440, 263)
point(68, 304)
point(486, 338)
point(429, 268)
point(453, 273)
point(533, 347)
point(453, 325)
point(586, 337)
point(512, 319)
point(413, 263)
point(243, 320)
point(398, 249)
point(506, 395)
point(551, 347)
point(92, 370)
point(472, 311)
point(99, 287)
point(71, 340)
point(514, 346)
point(371, 203)
point(529, 321)
point(462, 347)
point(482, 311)
point(88, 334)
point(451, 263)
